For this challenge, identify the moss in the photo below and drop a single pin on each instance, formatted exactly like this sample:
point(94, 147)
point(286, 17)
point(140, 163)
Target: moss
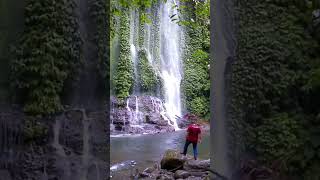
point(47, 55)
point(124, 76)
point(275, 56)
point(99, 11)
point(196, 83)
point(148, 77)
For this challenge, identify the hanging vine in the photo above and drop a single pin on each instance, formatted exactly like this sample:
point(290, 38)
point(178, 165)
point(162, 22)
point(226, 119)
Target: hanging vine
point(47, 55)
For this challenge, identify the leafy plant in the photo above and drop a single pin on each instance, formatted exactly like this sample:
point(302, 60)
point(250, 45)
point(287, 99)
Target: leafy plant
point(47, 55)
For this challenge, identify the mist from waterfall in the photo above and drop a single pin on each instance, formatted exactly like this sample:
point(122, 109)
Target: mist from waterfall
point(171, 61)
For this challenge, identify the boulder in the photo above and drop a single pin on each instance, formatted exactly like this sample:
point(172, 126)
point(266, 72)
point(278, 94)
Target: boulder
point(165, 177)
point(172, 160)
point(154, 118)
point(196, 165)
point(194, 178)
point(181, 174)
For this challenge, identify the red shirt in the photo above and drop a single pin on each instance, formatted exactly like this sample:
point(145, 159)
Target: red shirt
point(193, 132)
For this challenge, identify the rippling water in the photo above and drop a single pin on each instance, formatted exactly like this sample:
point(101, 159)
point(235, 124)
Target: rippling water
point(146, 150)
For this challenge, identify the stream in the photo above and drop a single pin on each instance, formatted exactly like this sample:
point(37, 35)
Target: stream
point(145, 150)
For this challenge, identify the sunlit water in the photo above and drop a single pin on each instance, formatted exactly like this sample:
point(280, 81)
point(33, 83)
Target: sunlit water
point(146, 150)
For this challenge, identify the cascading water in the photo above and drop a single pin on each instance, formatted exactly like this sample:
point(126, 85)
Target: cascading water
point(171, 61)
point(136, 115)
point(85, 151)
point(134, 34)
point(56, 144)
point(160, 42)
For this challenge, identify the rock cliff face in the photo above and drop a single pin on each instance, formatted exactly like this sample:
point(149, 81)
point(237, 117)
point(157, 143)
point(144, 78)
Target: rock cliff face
point(139, 114)
point(67, 146)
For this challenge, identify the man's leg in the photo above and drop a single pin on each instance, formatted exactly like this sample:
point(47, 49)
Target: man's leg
point(195, 150)
point(186, 147)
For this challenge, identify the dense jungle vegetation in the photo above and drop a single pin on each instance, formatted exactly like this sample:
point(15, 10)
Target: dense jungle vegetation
point(193, 17)
point(46, 56)
point(276, 83)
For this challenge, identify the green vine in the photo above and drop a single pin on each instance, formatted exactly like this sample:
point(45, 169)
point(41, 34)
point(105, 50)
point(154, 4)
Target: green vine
point(99, 9)
point(148, 77)
point(274, 106)
point(124, 76)
point(47, 55)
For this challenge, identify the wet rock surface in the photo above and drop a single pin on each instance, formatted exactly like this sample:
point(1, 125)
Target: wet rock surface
point(176, 166)
point(43, 149)
point(138, 115)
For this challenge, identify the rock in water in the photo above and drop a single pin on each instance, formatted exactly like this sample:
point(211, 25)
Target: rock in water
point(172, 160)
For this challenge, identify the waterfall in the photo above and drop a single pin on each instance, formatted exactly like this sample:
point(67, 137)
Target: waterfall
point(97, 170)
point(134, 34)
point(56, 144)
point(63, 159)
point(137, 119)
point(130, 114)
point(161, 42)
point(171, 61)
point(85, 151)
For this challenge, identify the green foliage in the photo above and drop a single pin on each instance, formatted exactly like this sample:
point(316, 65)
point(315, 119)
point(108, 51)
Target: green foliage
point(142, 5)
point(99, 10)
point(124, 75)
point(196, 83)
point(148, 77)
point(274, 85)
point(47, 55)
point(200, 106)
point(277, 138)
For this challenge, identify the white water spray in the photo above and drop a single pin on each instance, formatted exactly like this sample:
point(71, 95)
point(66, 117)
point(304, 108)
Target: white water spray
point(171, 61)
point(85, 151)
point(136, 116)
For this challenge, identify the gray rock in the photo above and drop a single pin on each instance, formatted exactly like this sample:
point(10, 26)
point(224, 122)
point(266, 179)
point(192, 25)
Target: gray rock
point(193, 178)
point(181, 174)
point(196, 165)
point(165, 177)
point(172, 160)
point(155, 118)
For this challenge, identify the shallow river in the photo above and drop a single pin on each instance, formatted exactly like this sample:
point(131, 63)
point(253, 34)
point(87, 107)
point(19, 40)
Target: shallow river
point(146, 150)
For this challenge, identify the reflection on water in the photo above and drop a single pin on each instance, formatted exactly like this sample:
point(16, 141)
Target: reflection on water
point(146, 150)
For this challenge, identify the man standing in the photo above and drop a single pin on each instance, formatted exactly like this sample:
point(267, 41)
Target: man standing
point(193, 136)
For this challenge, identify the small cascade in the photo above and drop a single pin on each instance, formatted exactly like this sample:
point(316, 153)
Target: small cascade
point(63, 159)
point(97, 170)
point(56, 144)
point(130, 115)
point(136, 116)
point(44, 174)
point(86, 138)
point(163, 113)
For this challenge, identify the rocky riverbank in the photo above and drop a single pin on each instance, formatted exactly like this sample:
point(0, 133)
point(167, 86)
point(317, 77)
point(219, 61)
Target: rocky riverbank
point(176, 166)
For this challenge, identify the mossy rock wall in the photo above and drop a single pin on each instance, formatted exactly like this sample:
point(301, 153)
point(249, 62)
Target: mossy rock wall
point(273, 113)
